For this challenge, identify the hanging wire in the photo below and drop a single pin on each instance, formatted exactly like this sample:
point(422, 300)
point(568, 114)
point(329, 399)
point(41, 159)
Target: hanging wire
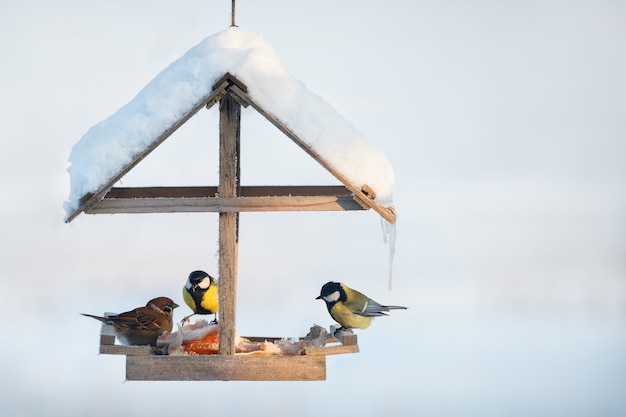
point(232, 13)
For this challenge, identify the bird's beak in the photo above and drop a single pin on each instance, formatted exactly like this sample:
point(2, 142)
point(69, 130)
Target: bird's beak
point(175, 305)
point(318, 297)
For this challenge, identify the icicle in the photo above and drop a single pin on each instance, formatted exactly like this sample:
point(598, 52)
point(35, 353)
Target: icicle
point(389, 237)
point(384, 229)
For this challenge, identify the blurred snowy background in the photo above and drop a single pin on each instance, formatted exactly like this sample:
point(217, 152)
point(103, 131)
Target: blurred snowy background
point(506, 126)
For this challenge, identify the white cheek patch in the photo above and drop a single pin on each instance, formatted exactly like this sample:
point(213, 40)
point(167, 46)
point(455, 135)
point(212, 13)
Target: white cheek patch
point(205, 283)
point(332, 297)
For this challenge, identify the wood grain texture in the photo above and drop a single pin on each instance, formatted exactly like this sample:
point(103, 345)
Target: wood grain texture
point(230, 122)
point(125, 350)
point(331, 350)
point(225, 368)
point(212, 191)
point(225, 205)
point(345, 337)
point(107, 332)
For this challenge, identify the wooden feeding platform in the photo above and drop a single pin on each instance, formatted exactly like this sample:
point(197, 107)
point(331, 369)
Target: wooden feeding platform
point(229, 199)
point(308, 364)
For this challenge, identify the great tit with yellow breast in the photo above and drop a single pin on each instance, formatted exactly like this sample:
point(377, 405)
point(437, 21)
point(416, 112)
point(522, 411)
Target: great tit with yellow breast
point(351, 308)
point(201, 294)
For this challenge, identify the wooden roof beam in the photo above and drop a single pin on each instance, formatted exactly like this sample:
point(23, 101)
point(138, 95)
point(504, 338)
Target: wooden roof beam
point(89, 200)
point(229, 84)
point(361, 193)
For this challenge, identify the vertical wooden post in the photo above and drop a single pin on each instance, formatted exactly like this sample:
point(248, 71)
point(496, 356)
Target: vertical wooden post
point(232, 13)
point(230, 118)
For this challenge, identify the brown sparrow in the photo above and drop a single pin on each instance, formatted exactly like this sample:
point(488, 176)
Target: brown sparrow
point(142, 325)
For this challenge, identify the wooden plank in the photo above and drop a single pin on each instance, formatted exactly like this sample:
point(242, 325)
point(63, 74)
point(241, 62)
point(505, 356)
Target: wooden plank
point(125, 350)
point(225, 205)
point(225, 368)
point(228, 259)
point(230, 80)
point(220, 86)
point(245, 191)
point(90, 199)
point(331, 350)
point(229, 152)
point(388, 213)
point(107, 333)
point(204, 199)
point(345, 337)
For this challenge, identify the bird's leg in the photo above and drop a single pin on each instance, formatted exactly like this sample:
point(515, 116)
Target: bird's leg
point(214, 319)
point(342, 329)
point(185, 320)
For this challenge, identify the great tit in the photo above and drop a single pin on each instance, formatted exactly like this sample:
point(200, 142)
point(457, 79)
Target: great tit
point(201, 294)
point(142, 325)
point(349, 307)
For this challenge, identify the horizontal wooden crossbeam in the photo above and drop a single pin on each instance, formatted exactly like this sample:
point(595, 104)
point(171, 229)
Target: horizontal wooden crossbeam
point(225, 368)
point(212, 191)
point(206, 199)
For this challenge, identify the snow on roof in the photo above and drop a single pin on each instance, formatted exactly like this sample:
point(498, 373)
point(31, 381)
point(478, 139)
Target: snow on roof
point(109, 146)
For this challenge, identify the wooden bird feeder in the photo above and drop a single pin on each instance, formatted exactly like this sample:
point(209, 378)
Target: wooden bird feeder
point(228, 199)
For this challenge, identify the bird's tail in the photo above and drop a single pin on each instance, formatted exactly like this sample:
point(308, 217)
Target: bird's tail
point(396, 307)
point(102, 319)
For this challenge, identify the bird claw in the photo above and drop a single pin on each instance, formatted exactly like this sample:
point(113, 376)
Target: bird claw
point(185, 320)
point(339, 330)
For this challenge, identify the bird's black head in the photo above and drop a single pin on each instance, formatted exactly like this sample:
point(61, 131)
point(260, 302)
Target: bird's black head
point(332, 292)
point(197, 276)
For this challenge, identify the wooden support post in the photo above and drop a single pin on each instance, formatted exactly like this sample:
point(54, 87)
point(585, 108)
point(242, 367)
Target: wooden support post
point(230, 118)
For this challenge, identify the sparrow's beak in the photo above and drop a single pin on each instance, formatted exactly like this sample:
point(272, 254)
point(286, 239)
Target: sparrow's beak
point(175, 305)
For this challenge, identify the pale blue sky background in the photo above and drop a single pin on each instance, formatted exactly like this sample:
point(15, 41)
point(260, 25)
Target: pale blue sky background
point(505, 122)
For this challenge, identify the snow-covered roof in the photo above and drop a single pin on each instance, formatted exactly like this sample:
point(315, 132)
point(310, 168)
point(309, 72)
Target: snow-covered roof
point(110, 146)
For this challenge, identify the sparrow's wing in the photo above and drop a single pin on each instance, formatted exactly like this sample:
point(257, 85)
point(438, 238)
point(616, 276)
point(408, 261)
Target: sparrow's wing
point(139, 318)
point(148, 319)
